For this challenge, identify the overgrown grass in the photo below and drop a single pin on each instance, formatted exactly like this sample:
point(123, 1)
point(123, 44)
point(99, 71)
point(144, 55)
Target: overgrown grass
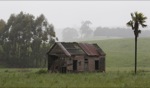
point(120, 52)
point(17, 78)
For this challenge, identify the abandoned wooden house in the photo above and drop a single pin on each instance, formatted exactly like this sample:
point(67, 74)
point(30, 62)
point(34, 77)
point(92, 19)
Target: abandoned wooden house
point(75, 57)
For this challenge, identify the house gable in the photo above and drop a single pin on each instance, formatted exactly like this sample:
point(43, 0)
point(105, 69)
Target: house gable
point(58, 50)
point(100, 51)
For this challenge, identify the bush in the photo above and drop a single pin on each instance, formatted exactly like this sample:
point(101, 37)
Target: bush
point(42, 71)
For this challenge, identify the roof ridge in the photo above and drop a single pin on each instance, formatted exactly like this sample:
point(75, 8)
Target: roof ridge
point(63, 48)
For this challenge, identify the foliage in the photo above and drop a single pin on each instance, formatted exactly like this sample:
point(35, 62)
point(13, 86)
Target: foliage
point(137, 20)
point(85, 29)
point(41, 71)
point(69, 34)
point(25, 40)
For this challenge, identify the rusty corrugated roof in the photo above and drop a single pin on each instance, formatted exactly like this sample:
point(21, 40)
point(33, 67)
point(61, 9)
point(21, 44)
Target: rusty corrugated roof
point(73, 48)
point(99, 50)
point(90, 49)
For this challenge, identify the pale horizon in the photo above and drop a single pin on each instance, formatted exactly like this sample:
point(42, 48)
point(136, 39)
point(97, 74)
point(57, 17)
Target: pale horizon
point(64, 14)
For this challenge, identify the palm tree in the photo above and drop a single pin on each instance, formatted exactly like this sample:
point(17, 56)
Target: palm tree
point(137, 20)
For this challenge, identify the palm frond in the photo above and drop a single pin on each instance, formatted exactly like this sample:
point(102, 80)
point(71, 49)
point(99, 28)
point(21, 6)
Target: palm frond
point(130, 24)
point(141, 17)
point(139, 31)
point(132, 16)
point(137, 20)
point(144, 18)
point(136, 16)
point(143, 25)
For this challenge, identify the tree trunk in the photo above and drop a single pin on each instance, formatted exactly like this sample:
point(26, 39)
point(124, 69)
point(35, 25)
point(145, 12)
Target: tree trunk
point(135, 54)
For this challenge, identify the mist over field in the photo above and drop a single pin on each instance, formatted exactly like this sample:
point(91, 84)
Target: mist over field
point(71, 14)
point(99, 33)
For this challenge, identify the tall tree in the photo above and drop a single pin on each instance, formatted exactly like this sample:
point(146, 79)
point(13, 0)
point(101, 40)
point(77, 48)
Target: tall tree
point(85, 29)
point(19, 28)
point(69, 34)
point(43, 33)
point(2, 27)
point(137, 20)
point(24, 40)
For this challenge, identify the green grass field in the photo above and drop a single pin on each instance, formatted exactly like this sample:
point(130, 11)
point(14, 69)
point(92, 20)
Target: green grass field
point(119, 70)
point(120, 52)
point(34, 78)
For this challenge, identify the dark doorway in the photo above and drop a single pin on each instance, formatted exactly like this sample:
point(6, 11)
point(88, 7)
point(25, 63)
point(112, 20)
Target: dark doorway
point(74, 65)
point(102, 64)
point(86, 64)
point(96, 65)
point(51, 60)
point(63, 70)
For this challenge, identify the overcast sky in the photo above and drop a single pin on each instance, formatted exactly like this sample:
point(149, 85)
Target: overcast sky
point(70, 13)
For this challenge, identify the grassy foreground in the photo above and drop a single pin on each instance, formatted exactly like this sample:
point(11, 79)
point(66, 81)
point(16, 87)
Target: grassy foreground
point(39, 78)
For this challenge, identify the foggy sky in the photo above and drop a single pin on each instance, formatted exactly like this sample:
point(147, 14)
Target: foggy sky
point(70, 13)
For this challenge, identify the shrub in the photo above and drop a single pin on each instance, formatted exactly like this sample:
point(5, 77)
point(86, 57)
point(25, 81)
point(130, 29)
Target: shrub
point(41, 71)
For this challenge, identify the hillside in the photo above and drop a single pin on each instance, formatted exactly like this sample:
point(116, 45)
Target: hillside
point(120, 52)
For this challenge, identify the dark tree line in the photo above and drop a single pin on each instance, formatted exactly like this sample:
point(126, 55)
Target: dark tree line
point(24, 40)
point(71, 34)
point(85, 32)
point(113, 32)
